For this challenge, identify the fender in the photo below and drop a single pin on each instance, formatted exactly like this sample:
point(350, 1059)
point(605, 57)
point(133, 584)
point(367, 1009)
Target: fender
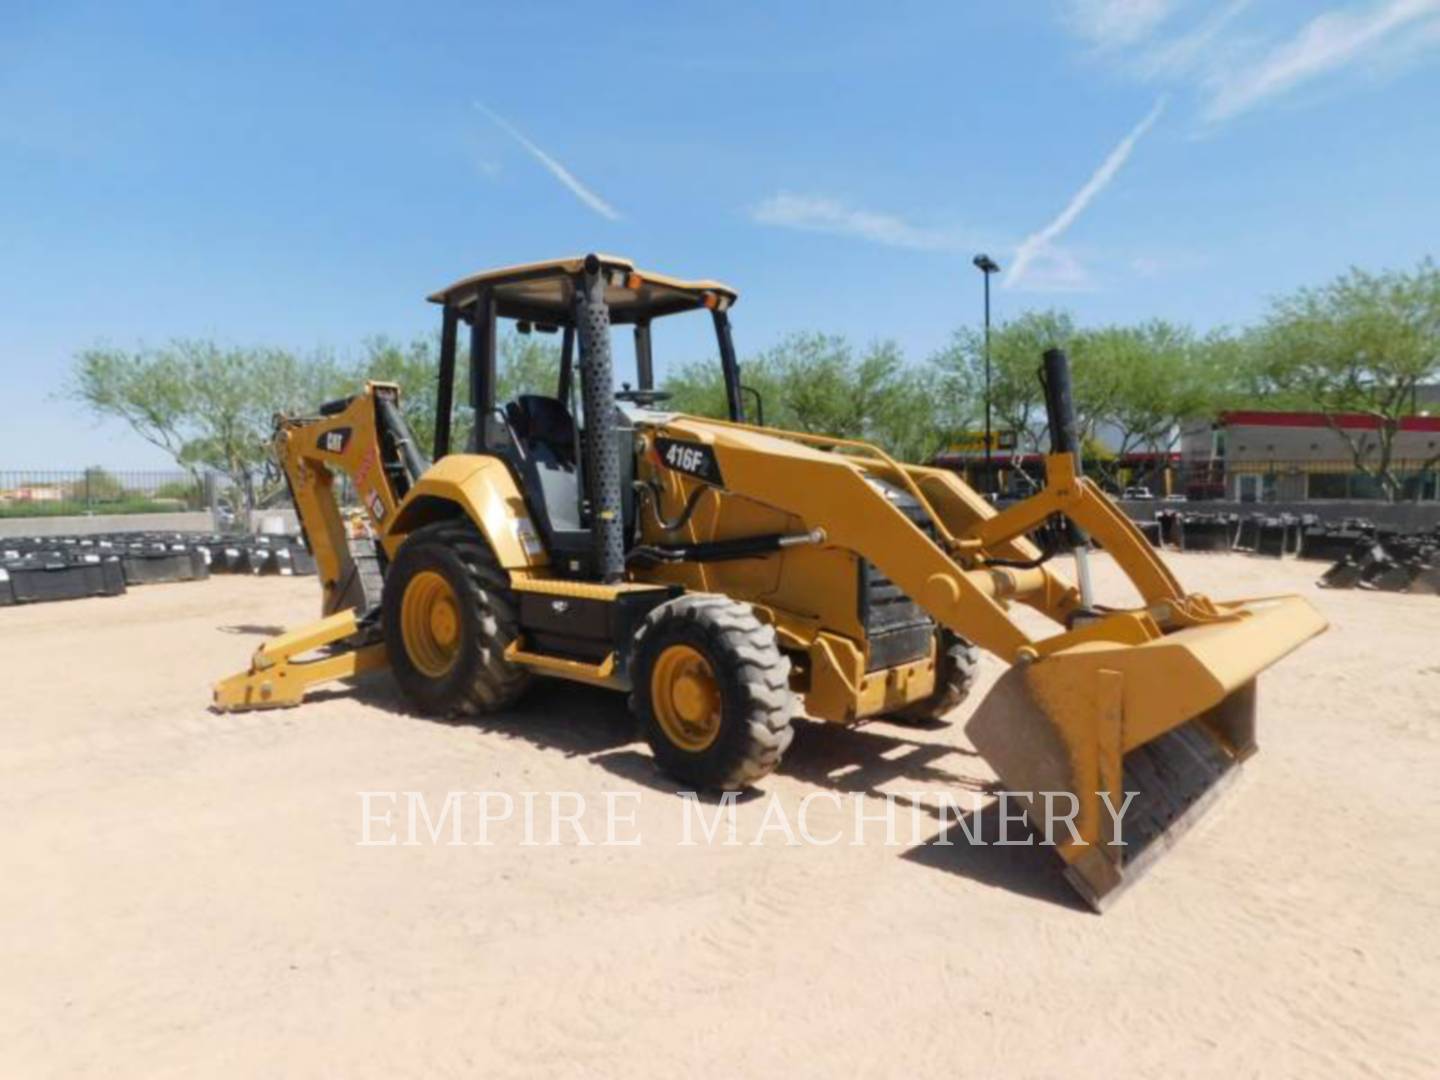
point(480, 487)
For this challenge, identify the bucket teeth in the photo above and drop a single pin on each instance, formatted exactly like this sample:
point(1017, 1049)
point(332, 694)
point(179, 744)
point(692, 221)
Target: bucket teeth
point(1169, 775)
point(1174, 778)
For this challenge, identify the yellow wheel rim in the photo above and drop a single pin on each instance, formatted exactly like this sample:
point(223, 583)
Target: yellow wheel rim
point(430, 623)
point(686, 698)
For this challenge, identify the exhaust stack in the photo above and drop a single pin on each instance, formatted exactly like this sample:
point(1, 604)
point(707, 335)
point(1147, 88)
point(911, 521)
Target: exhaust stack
point(602, 455)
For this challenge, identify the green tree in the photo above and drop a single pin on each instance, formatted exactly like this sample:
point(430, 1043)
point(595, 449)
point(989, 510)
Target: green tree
point(1017, 399)
point(818, 383)
point(208, 406)
point(415, 367)
point(524, 364)
point(1141, 384)
point(96, 485)
point(1161, 376)
point(189, 492)
point(1362, 343)
point(697, 387)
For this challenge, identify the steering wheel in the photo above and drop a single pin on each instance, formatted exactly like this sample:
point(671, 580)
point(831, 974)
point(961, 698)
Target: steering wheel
point(643, 398)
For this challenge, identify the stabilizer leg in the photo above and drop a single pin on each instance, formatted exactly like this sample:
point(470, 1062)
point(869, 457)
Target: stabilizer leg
point(277, 679)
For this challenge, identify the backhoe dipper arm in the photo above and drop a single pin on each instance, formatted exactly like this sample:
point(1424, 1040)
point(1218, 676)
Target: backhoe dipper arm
point(344, 438)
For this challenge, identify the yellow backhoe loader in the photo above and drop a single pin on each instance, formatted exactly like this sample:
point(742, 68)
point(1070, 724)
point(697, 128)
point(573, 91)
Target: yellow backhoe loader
point(729, 576)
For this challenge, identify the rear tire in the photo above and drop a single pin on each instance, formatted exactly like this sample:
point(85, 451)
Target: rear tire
point(448, 616)
point(712, 692)
point(957, 667)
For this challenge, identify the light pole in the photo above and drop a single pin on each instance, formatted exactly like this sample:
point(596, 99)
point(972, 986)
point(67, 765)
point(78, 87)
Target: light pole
point(987, 266)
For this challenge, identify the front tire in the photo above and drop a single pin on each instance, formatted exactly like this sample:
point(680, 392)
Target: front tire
point(448, 616)
point(712, 692)
point(957, 666)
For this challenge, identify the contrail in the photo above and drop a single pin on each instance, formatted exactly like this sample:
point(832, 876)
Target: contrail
point(564, 175)
point(1329, 42)
point(1037, 242)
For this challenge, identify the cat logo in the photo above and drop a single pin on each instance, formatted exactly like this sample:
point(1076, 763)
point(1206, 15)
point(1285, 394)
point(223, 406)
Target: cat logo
point(334, 442)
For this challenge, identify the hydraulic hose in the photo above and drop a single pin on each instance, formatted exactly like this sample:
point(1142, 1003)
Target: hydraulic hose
point(651, 492)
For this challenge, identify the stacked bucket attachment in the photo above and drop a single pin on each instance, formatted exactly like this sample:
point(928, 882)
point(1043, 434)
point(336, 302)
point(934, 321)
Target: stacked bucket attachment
point(1388, 562)
point(39, 569)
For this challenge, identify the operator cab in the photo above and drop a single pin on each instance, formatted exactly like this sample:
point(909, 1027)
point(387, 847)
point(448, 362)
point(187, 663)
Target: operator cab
point(552, 441)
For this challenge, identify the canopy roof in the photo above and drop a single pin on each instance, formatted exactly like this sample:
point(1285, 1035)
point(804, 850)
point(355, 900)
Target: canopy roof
point(543, 292)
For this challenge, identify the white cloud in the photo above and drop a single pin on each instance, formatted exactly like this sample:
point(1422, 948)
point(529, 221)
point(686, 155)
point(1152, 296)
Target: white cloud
point(564, 175)
point(1168, 262)
point(1041, 240)
point(821, 214)
point(1054, 269)
point(1116, 23)
point(1147, 266)
point(1187, 52)
point(1329, 42)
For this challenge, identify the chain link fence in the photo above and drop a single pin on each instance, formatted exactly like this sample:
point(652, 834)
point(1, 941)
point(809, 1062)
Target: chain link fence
point(56, 493)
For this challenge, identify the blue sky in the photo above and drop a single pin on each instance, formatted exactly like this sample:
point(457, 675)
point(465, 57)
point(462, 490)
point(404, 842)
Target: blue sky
point(303, 174)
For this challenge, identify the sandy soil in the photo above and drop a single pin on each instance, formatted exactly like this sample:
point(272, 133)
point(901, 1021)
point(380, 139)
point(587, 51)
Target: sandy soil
point(186, 894)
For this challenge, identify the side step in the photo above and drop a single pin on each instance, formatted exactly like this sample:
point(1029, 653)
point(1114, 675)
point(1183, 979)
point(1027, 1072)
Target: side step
point(598, 674)
point(581, 630)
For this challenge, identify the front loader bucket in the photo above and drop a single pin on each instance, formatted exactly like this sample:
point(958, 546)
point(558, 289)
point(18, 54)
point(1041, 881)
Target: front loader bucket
point(1114, 749)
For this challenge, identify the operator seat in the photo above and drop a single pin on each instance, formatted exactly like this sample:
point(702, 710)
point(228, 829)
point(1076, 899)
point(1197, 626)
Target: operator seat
point(545, 425)
point(550, 478)
point(553, 481)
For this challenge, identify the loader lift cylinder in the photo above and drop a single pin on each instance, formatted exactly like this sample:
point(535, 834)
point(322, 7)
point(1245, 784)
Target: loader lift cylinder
point(1065, 439)
point(602, 454)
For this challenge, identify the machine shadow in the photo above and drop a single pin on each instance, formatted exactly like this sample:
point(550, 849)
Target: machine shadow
point(574, 719)
point(589, 722)
point(594, 723)
point(1026, 869)
point(866, 758)
point(255, 629)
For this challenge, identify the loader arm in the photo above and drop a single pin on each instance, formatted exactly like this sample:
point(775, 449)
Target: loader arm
point(833, 492)
point(1157, 700)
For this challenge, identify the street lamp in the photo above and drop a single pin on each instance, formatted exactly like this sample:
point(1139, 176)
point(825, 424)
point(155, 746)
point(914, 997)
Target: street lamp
point(987, 266)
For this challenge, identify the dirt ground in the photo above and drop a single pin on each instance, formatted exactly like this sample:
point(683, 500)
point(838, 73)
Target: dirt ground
point(188, 894)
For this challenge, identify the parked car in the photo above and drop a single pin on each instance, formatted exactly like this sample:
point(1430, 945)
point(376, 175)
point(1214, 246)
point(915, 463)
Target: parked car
point(1137, 493)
